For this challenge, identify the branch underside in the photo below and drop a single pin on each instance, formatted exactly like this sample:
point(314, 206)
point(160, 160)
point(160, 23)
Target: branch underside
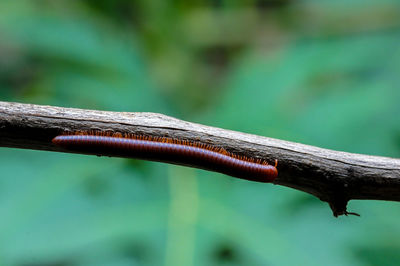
point(332, 176)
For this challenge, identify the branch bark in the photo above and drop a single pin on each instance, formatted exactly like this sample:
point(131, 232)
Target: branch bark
point(333, 176)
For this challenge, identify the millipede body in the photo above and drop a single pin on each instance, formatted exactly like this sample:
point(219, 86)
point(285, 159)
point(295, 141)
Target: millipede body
point(168, 150)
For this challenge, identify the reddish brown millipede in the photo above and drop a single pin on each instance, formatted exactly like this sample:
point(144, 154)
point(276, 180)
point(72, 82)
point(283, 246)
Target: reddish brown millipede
point(169, 150)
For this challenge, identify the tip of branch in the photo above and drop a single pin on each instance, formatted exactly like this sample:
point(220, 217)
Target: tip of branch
point(352, 213)
point(339, 207)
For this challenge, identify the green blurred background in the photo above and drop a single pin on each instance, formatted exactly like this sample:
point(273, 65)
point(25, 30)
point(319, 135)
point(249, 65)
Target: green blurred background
point(324, 73)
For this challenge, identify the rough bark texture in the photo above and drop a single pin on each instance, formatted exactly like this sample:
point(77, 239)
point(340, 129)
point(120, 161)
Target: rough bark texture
point(332, 176)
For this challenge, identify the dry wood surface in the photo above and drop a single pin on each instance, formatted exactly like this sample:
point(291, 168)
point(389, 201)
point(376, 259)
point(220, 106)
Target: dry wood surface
point(333, 176)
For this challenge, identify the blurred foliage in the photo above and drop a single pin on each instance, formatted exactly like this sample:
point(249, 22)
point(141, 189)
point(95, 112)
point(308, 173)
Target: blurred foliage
point(324, 73)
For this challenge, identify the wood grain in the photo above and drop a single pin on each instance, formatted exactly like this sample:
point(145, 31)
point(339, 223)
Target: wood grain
point(333, 176)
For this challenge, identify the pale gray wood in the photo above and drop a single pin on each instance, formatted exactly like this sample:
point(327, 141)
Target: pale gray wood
point(332, 176)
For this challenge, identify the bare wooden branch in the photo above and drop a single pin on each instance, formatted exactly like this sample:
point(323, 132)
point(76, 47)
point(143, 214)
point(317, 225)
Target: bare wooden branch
point(332, 176)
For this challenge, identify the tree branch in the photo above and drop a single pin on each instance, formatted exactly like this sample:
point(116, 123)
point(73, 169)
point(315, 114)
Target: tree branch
point(332, 176)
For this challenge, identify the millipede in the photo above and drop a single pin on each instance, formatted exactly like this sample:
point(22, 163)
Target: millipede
point(168, 150)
